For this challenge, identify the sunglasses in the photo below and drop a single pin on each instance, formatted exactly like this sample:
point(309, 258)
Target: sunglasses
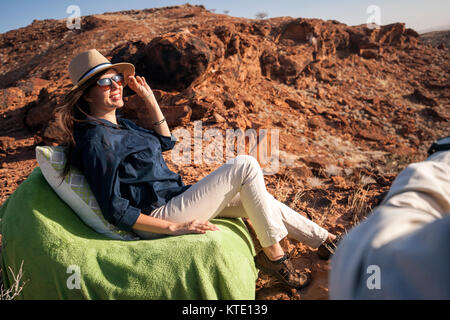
point(106, 83)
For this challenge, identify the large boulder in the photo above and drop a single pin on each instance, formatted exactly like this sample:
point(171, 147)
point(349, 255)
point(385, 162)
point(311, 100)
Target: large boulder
point(173, 61)
point(369, 42)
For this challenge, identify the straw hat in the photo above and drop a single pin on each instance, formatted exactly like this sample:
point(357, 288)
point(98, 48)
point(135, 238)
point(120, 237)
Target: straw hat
point(87, 64)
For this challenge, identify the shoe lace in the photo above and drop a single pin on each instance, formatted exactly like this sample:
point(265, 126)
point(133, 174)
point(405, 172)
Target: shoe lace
point(287, 271)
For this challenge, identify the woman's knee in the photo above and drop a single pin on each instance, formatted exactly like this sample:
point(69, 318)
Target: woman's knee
point(247, 165)
point(245, 159)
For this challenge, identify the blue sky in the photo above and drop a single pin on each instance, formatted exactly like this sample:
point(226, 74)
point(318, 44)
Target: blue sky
point(417, 14)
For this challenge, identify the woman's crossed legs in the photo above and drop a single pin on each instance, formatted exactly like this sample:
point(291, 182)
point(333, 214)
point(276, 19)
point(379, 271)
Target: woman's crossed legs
point(237, 189)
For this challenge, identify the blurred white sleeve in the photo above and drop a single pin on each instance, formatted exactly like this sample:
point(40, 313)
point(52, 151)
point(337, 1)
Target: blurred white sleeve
point(405, 240)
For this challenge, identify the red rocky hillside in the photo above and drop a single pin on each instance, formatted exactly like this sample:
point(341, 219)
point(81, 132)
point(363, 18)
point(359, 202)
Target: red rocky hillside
point(349, 120)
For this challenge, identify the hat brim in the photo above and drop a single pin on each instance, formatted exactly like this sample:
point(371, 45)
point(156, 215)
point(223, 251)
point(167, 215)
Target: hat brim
point(125, 68)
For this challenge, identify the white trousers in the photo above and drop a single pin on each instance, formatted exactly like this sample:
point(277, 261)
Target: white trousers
point(237, 189)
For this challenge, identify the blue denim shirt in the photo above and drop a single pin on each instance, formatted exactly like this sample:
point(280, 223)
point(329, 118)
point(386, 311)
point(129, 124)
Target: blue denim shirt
point(125, 169)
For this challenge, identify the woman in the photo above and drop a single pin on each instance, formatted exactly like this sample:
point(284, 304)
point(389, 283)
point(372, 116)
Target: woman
point(137, 192)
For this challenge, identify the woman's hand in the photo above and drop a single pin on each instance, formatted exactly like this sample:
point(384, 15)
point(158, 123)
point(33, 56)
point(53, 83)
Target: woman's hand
point(194, 226)
point(140, 86)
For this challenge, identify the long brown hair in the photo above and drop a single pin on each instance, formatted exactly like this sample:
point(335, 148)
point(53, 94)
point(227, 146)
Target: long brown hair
point(74, 109)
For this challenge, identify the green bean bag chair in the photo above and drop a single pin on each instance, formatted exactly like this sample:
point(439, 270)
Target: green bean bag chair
point(63, 258)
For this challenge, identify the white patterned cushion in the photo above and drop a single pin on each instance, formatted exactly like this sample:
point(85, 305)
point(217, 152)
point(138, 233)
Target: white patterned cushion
point(75, 192)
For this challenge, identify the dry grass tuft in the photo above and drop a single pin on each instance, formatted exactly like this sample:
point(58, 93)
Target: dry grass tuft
point(365, 180)
point(16, 287)
point(358, 205)
point(282, 189)
point(314, 182)
point(297, 197)
point(332, 170)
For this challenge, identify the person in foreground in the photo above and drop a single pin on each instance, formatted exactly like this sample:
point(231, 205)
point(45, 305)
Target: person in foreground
point(401, 250)
point(137, 192)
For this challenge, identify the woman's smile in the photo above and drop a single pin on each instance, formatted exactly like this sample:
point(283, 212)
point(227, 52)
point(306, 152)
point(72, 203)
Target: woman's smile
point(116, 97)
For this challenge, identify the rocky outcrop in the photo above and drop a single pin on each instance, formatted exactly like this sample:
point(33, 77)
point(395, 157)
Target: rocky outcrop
point(173, 61)
point(369, 43)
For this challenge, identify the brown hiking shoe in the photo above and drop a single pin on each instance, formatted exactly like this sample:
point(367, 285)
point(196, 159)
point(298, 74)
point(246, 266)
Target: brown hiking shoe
point(283, 270)
point(326, 249)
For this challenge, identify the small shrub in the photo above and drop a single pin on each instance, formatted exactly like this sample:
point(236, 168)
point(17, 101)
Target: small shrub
point(261, 15)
